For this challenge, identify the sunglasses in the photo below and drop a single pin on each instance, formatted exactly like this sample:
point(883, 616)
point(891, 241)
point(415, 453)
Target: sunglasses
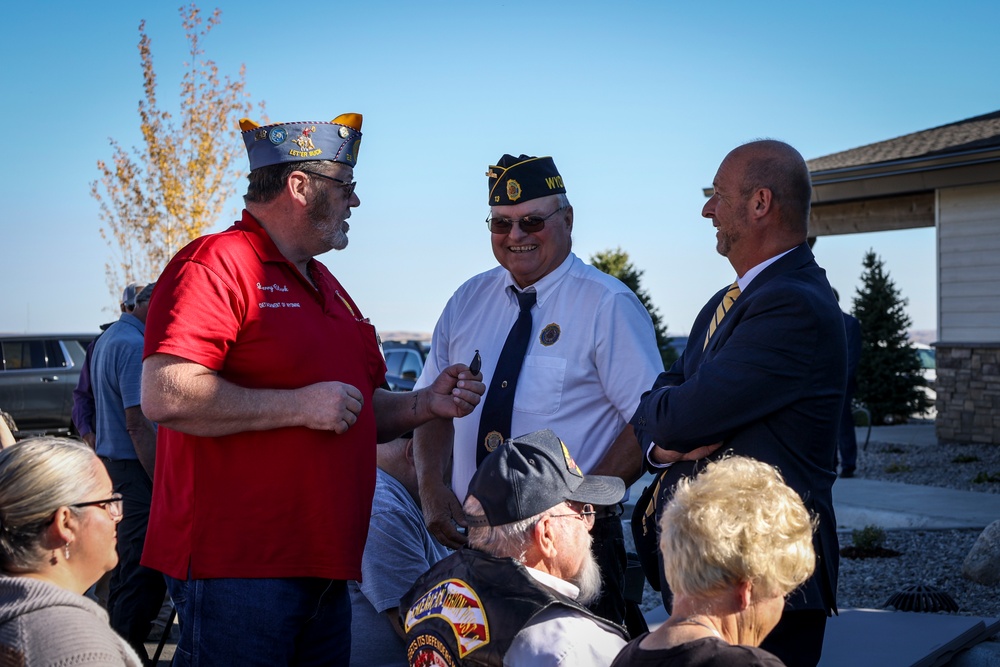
point(529, 224)
point(348, 187)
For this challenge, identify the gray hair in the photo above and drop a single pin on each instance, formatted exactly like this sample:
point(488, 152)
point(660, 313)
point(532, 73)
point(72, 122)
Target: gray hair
point(37, 477)
point(508, 540)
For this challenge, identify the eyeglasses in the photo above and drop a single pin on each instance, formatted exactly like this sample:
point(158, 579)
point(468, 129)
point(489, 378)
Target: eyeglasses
point(529, 224)
point(113, 505)
point(348, 187)
point(587, 515)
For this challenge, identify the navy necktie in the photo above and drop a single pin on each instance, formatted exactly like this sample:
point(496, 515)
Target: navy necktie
point(498, 407)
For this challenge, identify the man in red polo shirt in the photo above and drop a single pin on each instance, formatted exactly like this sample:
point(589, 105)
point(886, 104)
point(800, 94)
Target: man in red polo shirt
point(265, 379)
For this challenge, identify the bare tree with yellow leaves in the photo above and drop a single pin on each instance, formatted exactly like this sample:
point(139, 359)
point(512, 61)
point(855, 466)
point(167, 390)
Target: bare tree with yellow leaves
point(155, 199)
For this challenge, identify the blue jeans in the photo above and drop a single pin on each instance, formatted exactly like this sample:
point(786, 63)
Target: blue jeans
point(268, 622)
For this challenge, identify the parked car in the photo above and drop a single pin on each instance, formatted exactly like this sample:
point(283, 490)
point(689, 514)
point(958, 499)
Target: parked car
point(37, 376)
point(928, 369)
point(404, 361)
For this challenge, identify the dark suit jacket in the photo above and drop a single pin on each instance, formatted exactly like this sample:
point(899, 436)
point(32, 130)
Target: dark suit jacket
point(770, 385)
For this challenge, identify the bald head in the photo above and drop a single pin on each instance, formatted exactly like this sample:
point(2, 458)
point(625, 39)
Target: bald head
point(396, 458)
point(780, 168)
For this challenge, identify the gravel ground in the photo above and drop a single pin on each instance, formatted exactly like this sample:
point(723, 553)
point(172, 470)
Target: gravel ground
point(929, 557)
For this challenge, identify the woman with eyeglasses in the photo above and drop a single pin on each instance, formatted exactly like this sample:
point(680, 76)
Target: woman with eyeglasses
point(735, 541)
point(58, 524)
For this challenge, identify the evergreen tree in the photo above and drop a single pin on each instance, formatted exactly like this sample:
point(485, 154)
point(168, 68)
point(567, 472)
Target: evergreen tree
point(616, 263)
point(889, 377)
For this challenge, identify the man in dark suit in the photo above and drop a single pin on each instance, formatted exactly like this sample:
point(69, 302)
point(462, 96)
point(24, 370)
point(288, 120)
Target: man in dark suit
point(765, 368)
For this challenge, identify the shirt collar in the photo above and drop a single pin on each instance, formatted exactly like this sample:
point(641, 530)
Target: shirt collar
point(259, 239)
point(555, 583)
point(542, 287)
point(133, 321)
point(746, 278)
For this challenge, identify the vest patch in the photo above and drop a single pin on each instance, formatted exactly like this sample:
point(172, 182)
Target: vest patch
point(456, 603)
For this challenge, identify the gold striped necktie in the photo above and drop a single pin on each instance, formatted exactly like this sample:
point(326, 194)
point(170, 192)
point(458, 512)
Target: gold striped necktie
point(720, 312)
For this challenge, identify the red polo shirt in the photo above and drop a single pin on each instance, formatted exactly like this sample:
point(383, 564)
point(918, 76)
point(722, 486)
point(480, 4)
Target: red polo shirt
point(290, 502)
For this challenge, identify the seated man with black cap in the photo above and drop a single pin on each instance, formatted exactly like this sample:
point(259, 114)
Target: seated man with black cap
point(516, 596)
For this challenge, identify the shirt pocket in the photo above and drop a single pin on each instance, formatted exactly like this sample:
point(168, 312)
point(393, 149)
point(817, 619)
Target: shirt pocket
point(540, 385)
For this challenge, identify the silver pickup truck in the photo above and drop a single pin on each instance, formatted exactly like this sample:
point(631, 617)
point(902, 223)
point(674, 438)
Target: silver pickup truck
point(38, 373)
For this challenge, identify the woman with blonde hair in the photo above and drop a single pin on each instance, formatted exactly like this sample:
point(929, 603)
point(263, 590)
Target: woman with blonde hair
point(58, 523)
point(735, 541)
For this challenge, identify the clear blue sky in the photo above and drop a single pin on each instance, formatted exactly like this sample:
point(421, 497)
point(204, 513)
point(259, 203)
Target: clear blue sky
point(638, 102)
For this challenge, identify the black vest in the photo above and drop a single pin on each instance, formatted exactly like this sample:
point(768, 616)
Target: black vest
point(467, 609)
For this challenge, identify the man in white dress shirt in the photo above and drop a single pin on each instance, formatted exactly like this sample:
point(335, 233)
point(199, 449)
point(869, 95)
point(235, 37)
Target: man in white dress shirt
point(591, 353)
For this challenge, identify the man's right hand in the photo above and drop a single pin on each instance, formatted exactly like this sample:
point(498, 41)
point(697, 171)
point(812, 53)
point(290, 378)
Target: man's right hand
point(331, 406)
point(441, 510)
point(664, 456)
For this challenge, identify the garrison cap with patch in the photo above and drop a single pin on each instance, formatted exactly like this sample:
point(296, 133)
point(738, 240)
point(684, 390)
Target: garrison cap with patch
point(518, 179)
point(338, 141)
point(527, 475)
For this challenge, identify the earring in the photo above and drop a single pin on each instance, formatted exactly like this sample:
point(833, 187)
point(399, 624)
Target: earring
point(66, 550)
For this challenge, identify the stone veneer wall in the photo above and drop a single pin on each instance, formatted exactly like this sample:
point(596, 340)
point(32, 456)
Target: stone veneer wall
point(968, 392)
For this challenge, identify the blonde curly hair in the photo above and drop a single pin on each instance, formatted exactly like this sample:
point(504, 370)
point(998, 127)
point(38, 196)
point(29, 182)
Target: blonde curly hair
point(736, 521)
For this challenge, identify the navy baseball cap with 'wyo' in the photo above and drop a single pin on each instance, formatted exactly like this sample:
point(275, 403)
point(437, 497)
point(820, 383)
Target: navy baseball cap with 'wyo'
point(527, 475)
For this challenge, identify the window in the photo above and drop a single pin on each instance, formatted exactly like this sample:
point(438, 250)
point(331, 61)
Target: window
point(25, 354)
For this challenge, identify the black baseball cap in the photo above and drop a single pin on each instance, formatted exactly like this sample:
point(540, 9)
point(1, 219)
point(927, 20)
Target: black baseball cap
point(527, 475)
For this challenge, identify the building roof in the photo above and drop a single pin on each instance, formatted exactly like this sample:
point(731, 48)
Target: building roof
point(970, 135)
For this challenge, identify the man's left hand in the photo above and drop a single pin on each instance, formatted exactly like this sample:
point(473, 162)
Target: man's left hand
point(455, 393)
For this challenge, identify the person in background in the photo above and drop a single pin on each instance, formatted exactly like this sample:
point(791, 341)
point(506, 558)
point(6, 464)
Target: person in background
point(84, 408)
point(58, 521)
point(399, 549)
point(735, 541)
point(847, 444)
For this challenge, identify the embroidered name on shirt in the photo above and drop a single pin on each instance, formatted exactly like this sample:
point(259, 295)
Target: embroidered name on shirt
point(272, 288)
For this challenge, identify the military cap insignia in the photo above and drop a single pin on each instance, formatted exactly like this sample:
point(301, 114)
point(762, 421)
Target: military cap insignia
point(304, 141)
point(278, 135)
point(513, 190)
point(570, 462)
point(549, 335)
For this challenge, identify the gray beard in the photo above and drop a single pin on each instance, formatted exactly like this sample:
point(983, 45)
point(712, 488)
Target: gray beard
point(588, 580)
